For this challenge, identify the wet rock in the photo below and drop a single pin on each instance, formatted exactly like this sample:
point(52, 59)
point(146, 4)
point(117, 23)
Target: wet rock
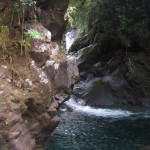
point(124, 79)
point(86, 57)
point(52, 111)
point(61, 98)
point(54, 104)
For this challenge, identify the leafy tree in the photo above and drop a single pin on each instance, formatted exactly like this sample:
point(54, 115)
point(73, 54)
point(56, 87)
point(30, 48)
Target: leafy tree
point(123, 22)
point(79, 14)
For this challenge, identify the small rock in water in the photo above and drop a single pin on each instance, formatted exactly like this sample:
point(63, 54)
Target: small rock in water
point(63, 110)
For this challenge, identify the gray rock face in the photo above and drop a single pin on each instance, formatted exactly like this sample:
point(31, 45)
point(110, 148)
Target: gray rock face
point(51, 14)
point(28, 113)
point(55, 20)
point(123, 79)
point(63, 74)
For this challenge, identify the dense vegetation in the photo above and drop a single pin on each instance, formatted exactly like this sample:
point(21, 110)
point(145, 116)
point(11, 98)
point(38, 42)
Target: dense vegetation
point(114, 41)
point(124, 22)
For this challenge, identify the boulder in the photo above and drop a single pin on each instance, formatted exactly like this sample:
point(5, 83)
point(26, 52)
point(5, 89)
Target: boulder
point(63, 74)
point(54, 11)
point(124, 76)
point(43, 49)
point(40, 48)
point(87, 56)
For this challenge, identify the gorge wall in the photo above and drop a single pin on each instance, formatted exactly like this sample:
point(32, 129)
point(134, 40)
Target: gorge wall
point(31, 83)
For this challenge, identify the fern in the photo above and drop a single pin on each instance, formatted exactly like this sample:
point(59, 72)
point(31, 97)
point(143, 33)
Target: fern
point(28, 2)
point(34, 34)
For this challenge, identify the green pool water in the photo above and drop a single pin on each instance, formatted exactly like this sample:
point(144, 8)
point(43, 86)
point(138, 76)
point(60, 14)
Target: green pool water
point(112, 129)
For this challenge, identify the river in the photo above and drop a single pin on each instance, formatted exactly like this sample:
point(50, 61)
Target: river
point(86, 128)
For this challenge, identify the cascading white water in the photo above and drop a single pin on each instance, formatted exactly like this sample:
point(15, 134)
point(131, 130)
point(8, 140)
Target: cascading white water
point(70, 38)
point(102, 112)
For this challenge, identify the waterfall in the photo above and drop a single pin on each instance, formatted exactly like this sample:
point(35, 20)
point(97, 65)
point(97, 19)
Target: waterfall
point(70, 37)
point(100, 112)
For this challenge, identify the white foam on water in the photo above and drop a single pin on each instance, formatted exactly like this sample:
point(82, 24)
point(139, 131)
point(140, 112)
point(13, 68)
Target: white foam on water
point(102, 112)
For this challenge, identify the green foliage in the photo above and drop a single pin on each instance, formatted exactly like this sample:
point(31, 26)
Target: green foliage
point(33, 33)
point(15, 8)
point(4, 32)
point(28, 2)
point(125, 21)
point(96, 85)
point(122, 22)
point(78, 14)
point(26, 40)
point(71, 12)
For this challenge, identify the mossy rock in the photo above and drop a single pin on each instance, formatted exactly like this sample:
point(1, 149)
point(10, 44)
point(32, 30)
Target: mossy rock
point(88, 57)
point(78, 44)
point(96, 86)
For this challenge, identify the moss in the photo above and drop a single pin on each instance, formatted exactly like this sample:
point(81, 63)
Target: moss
point(6, 146)
point(14, 100)
point(4, 31)
point(75, 79)
point(50, 101)
point(96, 85)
